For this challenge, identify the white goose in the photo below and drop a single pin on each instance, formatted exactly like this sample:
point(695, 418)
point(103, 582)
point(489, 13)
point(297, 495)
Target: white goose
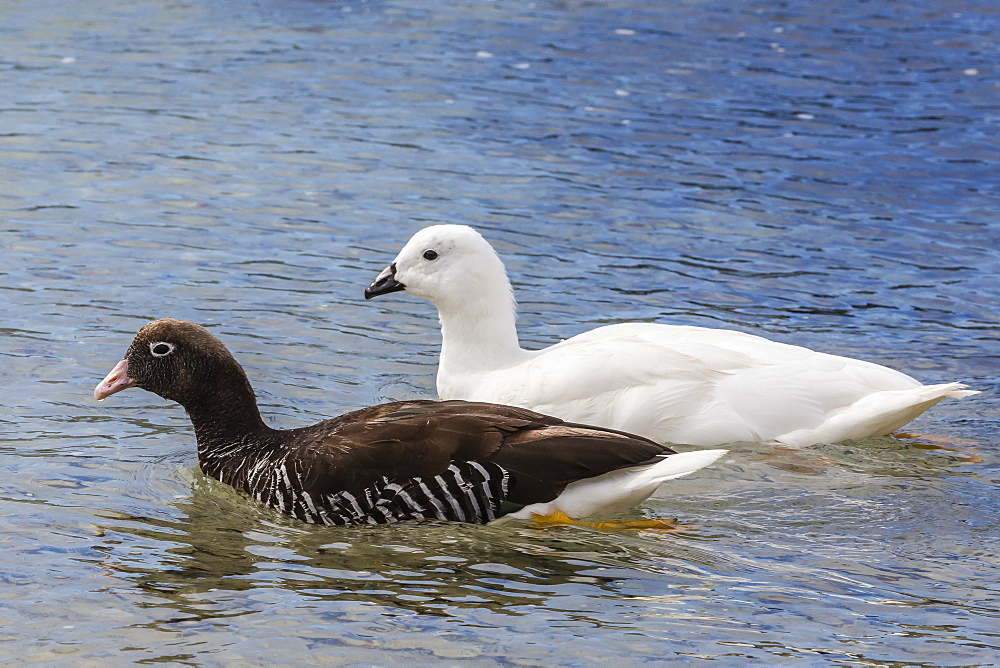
point(673, 384)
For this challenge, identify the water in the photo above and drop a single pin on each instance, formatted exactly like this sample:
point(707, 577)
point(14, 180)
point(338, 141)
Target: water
point(822, 174)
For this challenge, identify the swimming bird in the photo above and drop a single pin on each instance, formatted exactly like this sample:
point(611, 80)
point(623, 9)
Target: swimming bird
point(452, 460)
point(670, 383)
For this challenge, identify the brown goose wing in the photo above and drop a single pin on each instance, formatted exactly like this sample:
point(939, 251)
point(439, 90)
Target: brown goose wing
point(412, 439)
point(399, 440)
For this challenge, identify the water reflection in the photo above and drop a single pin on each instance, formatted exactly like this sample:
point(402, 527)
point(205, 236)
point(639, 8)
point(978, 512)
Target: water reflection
point(222, 542)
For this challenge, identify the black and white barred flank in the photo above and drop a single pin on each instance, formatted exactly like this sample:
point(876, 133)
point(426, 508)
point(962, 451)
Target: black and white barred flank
point(465, 492)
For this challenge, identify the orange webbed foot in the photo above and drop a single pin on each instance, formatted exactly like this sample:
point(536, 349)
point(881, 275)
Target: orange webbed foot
point(655, 524)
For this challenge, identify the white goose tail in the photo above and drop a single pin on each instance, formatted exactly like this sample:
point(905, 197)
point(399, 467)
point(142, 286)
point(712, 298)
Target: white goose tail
point(621, 489)
point(877, 414)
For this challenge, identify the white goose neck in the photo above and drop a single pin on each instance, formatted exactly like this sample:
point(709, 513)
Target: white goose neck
point(480, 333)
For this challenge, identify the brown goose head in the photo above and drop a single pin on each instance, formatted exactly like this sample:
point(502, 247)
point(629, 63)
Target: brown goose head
point(179, 361)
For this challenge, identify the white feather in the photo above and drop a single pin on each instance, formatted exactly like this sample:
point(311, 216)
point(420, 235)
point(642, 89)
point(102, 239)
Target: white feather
point(619, 490)
point(674, 384)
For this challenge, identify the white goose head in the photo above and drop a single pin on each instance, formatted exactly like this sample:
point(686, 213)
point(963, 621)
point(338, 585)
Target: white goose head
point(451, 266)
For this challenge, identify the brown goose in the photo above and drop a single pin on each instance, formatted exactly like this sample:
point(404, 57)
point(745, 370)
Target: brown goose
point(451, 460)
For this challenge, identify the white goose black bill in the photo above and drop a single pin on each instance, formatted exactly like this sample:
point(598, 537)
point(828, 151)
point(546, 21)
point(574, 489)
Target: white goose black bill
point(384, 283)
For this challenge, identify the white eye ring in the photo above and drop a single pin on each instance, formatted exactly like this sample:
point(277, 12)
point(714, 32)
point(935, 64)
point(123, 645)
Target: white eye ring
point(161, 348)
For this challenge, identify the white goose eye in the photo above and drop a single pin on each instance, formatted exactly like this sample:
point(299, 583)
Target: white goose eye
point(161, 348)
point(430, 254)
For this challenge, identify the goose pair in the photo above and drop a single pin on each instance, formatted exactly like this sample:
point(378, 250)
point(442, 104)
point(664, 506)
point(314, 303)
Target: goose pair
point(481, 453)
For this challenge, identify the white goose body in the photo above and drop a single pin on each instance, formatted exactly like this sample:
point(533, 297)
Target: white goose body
point(673, 384)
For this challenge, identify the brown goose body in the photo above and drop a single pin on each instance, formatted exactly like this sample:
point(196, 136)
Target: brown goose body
point(451, 460)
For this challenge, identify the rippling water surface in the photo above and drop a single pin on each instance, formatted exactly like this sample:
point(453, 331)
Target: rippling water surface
point(822, 173)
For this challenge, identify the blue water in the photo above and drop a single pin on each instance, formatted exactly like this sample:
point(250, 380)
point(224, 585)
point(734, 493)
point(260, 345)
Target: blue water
point(821, 173)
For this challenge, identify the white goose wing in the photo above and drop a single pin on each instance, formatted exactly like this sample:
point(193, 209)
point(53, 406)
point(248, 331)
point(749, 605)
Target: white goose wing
point(690, 384)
